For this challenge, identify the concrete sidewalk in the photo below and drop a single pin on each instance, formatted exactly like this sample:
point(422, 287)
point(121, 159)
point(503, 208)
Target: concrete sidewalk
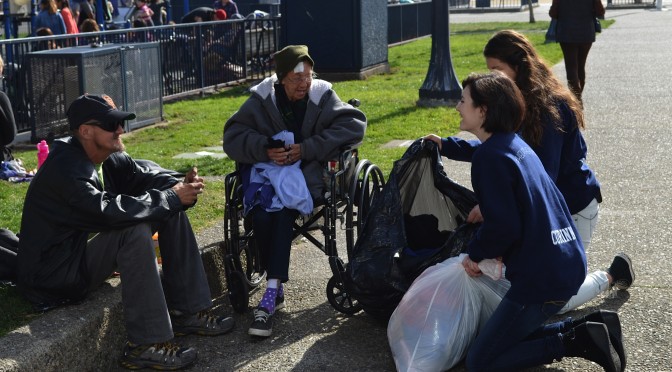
point(627, 107)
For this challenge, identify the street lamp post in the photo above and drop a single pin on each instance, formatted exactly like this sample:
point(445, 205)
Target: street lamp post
point(441, 87)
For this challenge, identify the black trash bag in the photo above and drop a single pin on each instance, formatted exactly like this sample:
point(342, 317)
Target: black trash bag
point(416, 221)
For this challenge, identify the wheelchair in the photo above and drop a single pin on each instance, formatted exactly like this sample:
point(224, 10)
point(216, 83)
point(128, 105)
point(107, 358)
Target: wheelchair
point(351, 185)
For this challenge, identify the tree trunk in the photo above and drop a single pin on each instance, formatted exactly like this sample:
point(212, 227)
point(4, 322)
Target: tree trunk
point(529, 4)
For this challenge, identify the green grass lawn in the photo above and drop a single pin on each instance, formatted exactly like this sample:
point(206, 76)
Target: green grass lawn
point(389, 101)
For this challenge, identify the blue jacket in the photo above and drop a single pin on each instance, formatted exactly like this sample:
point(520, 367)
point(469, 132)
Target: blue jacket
point(526, 222)
point(53, 21)
point(563, 154)
point(276, 186)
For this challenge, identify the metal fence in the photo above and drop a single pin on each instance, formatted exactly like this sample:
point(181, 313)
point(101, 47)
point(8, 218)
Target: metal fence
point(194, 57)
point(413, 20)
point(200, 56)
point(631, 3)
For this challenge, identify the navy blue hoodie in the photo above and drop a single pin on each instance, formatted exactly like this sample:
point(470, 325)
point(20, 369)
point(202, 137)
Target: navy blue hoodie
point(526, 222)
point(563, 154)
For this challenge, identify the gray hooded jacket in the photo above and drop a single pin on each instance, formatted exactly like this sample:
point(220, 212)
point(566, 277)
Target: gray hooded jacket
point(329, 125)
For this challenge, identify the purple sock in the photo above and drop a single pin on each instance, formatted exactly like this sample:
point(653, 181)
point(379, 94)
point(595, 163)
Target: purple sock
point(268, 301)
point(281, 291)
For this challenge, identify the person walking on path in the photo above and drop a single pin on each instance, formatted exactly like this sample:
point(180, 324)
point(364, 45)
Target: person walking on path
point(91, 209)
point(576, 34)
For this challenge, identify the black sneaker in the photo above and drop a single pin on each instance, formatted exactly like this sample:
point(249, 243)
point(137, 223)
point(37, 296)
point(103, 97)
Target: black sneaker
point(621, 272)
point(262, 325)
point(202, 323)
point(165, 356)
point(279, 303)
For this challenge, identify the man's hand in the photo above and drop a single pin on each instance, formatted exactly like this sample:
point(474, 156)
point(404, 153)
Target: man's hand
point(188, 192)
point(192, 176)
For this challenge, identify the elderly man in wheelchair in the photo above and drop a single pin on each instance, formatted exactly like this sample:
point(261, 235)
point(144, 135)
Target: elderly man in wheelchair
point(282, 136)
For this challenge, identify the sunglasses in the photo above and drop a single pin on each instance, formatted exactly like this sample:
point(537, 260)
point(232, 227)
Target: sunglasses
point(109, 126)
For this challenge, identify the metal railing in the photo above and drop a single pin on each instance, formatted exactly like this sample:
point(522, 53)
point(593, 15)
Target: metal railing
point(413, 20)
point(631, 3)
point(197, 57)
point(194, 57)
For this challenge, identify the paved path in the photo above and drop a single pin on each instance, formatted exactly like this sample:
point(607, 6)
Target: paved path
point(627, 101)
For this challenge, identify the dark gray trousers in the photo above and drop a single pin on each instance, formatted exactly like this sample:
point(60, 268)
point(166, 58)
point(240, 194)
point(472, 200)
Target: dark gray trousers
point(145, 298)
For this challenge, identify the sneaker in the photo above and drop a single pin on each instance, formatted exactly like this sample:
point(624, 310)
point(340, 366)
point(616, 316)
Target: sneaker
point(262, 325)
point(279, 303)
point(203, 323)
point(165, 356)
point(621, 272)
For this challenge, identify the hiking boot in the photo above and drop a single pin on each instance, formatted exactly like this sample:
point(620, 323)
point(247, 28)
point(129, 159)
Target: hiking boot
point(203, 323)
point(610, 319)
point(165, 356)
point(621, 271)
point(590, 341)
point(262, 325)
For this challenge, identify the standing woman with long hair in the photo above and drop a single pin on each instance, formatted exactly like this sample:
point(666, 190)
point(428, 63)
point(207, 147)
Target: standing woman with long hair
point(576, 34)
point(50, 18)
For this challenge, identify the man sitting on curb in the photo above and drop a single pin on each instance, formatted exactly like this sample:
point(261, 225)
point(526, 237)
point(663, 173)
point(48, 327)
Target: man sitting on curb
point(60, 259)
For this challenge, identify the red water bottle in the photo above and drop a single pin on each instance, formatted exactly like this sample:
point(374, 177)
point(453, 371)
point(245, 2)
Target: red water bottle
point(42, 152)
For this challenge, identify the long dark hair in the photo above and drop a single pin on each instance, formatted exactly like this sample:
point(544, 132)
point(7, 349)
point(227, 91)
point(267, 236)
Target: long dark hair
point(541, 89)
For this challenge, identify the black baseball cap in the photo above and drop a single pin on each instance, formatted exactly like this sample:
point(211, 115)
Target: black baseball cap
point(96, 110)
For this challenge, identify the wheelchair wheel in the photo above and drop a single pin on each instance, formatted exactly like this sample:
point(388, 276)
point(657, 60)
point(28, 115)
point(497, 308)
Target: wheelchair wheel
point(239, 293)
point(249, 266)
point(340, 299)
point(369, 183)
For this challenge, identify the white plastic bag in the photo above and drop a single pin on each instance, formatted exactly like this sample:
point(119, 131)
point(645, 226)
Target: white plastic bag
point(439, 316)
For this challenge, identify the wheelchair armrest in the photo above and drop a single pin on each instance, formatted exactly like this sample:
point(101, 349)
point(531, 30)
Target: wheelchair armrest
point(350, 146)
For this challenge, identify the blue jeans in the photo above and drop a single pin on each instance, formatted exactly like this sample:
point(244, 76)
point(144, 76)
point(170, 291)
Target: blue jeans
point(274, 232)
point(514, 338)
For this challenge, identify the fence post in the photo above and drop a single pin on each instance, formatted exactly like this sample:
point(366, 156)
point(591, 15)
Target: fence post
point(8, 19)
